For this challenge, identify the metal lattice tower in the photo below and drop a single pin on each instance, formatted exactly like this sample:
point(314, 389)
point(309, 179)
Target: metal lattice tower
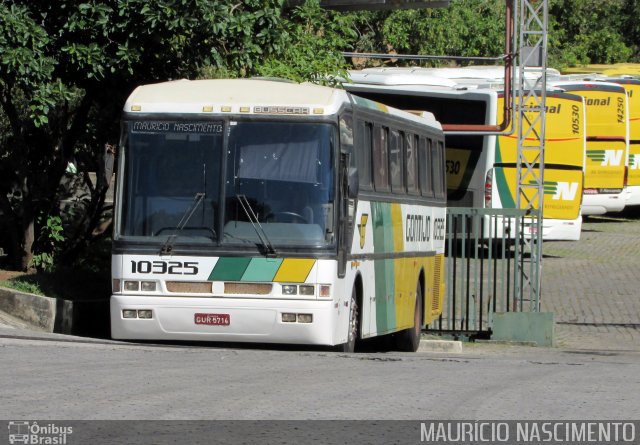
point(531, 100)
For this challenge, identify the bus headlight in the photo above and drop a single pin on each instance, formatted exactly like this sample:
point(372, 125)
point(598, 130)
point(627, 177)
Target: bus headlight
point(307, 289)
point(129, 313)
point(288, 317)
point(132, 286)
point(148, 286)
point(145, 313)
point(289, 289)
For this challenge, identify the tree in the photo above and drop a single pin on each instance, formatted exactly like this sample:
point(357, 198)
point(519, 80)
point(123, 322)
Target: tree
point(589, 31)
point(66, 68)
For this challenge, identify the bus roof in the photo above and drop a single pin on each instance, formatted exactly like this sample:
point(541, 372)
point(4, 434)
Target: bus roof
point(469, 77)
point(587, 85)
point(214, 95)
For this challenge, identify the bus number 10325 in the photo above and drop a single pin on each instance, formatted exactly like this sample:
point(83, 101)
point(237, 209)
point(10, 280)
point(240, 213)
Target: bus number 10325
point(164, 267)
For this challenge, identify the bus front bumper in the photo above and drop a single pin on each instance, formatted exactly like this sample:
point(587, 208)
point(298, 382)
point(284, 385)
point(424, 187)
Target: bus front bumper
point(223, 319)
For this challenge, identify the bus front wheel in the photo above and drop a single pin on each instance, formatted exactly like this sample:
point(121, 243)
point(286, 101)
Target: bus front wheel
point(352, 336)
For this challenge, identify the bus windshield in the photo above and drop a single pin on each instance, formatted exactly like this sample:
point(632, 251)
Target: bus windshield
point(281, 171)
point(171, 184)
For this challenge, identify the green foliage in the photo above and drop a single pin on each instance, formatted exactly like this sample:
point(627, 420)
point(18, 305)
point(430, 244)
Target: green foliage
point(466, 28)
point(589, 31)
point(313, 41)
point(48, 244)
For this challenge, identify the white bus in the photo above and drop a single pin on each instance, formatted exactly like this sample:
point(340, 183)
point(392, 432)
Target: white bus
point(481, 169)
point(273, 212)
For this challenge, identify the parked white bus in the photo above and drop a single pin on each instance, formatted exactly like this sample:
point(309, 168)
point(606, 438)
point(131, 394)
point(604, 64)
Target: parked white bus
point(481, 169)
point(274, 212)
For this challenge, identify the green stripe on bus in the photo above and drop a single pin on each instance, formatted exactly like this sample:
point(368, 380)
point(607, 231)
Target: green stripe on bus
point(501, 182)
point(229, 269)
point(262, 269)
point(384, 269)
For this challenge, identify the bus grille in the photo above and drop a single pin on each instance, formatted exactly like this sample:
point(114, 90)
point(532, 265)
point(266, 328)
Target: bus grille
point(189, 287)
point(248, 288)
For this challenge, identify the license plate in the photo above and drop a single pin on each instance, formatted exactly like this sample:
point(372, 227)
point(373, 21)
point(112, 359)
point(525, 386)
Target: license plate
point(212, 319)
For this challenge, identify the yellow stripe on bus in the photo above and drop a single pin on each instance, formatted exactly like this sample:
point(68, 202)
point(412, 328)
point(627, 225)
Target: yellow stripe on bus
point(294, 270)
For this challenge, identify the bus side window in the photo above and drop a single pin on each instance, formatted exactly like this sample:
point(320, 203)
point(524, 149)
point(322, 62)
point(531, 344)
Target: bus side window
point(364, 136)
point(395, 161)
point(424, 167)
point(437, 168)
point(411, 163)
point(380, 159)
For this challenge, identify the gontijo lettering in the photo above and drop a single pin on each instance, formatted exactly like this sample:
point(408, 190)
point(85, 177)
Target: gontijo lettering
point(417, 228)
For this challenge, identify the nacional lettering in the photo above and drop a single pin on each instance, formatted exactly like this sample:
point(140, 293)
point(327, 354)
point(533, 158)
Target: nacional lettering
point(599, 102)
point(555, 109)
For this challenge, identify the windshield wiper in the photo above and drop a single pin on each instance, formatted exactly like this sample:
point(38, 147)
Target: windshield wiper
point(253, 219)
point(168, 245)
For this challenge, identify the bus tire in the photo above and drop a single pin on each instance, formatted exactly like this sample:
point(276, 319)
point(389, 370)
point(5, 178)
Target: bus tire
point(354, 324)
point(409, 339)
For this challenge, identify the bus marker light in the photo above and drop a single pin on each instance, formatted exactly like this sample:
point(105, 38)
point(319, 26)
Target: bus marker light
point(148, 286)
point(305, 318)
point(244, 109)
point(132, 285)
point(318, 111)
point(226, 109)
point(288, 318)
point(129, 313)
point(325, 290)
point(307, 290)
point(207, 109)
point(289, 289)
point(115, 285)
point(136, 108)
point(145, 313)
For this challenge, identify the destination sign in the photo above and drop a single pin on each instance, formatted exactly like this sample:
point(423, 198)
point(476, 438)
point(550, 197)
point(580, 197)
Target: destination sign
point(176, 127)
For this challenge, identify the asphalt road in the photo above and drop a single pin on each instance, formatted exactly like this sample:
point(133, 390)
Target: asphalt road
point(47, 378)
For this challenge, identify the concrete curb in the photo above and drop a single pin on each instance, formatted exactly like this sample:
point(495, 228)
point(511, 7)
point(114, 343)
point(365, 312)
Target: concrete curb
point(35, 310)
point(47, 314)
point(440, 346)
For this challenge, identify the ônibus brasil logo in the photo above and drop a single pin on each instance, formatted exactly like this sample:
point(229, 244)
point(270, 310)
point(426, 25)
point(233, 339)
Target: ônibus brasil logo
point(32, 433)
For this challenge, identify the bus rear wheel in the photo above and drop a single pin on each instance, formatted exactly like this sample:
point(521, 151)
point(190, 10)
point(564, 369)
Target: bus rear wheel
point(350, 345)
point(409, 339)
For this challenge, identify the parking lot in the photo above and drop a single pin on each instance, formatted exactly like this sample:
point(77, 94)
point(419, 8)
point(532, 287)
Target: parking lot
point(592, 285)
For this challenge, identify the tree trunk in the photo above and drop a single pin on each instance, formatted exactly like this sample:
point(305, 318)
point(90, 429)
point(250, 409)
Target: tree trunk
point(26, 247)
